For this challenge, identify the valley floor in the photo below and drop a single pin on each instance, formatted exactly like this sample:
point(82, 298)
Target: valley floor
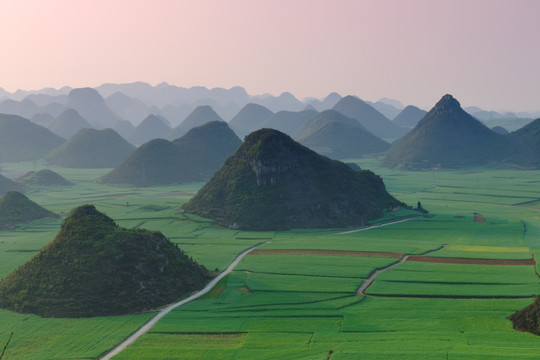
point(296, 296)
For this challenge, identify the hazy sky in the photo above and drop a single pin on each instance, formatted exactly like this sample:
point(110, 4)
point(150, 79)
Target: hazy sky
point(484, 52)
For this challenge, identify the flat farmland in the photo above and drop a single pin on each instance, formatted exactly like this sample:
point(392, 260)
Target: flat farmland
point(295, 296)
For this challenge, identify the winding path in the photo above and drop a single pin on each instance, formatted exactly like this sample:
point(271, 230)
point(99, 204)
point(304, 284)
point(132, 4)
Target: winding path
point(146, 327)
point(366, 283)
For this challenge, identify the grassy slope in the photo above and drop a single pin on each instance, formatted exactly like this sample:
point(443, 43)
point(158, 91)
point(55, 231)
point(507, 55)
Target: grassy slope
point(234, 323)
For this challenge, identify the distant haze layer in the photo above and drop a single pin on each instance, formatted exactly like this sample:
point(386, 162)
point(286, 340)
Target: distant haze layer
point(480, 50)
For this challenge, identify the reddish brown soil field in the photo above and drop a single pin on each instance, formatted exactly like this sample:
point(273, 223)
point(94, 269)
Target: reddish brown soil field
point(326, 252)
point(417, 258)
point(439, 260)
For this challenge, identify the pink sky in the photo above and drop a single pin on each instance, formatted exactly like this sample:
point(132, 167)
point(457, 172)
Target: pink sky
point(484, 52)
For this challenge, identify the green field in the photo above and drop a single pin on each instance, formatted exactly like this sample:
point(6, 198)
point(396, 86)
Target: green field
point(303, 305)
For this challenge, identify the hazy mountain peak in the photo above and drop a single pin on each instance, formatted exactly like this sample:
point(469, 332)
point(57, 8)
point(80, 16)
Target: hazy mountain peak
point(395, 103)
point(85, 94)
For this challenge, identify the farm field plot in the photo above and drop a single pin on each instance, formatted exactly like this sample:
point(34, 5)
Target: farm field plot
point(484, 252)
point(296, 298)
point(356, 267)
point(40, 338)
point(457, 280)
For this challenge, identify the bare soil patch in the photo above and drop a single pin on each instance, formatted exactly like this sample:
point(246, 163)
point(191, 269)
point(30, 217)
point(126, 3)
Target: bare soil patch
point(441, 260)
point(325, 252)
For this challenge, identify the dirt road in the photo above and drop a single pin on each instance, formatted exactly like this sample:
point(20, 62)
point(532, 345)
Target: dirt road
point(144, 329)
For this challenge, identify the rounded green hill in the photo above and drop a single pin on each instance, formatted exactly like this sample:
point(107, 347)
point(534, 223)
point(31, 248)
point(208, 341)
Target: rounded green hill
point(196, 156)
point(44, 177)
point(15, 209)
point(92, 149)
point(95, 268)
point(273, 183)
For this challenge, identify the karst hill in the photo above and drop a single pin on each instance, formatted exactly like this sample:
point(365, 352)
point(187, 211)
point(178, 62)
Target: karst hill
point(93, 267)
point(273, 182)
point(196, 156)
point(16, 209)
point(446, 136)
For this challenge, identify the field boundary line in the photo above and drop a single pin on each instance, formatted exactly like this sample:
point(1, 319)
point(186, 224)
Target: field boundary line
point(146, 327)
point(465, 297)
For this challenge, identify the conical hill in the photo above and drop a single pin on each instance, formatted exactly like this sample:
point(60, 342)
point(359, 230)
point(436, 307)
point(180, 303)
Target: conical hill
point(410, 116)
point(91, 149)
point(152, 127)
point(196, 156)
point(22, 140)
point(337, 136)
point(369, 117)
point(95, 268)
point(44, 177)
point(526, 141)
point(446, 136)
point(273, 182)
point(201, 115)
point(15, 209)
point(249, 118)
point(6, 185)
point(68, 123)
